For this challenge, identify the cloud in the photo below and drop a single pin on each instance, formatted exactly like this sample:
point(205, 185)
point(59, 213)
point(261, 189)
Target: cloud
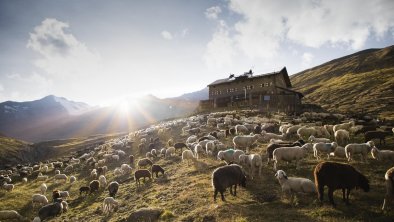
point(1, 88)
point(213, 12)
point(264, 25)
point(307, 59)
point(184, 32)
point(166, 35)
point(61, 53)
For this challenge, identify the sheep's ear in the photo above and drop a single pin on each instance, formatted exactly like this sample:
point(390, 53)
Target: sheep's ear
point(276, 174)
point(285, 176)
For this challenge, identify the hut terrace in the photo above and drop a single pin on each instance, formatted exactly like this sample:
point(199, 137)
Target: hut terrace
point(267, 92)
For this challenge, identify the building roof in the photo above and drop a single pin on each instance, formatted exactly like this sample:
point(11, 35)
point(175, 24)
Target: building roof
point(283, 71)
point(290, 90)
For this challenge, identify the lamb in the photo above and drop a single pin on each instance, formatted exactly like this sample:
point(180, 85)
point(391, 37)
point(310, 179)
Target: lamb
point(50, 210)
point(156, 169)
point(362, 148)
point(381, 135)
point(338, 176)
point(103, 181)
point(273, 146)
point(389, 181)
point(289, 154)
point(170, 152)
point(94, 186)
point(382, 155)
point(313, 139)
point(326, 148)
point(6, 215)
point(227, 176)
point(109, 205)
point(8, 187)
point(73, 179)
point(60, 177)
point(292, 185)
point(43, 188)
point(113, 188)
point(40, 199)
point(251, 161)
point(144, 162)
point(142, 173)
point(245, 141)
point(85, 190)
point(187, 155)
point(342, 137)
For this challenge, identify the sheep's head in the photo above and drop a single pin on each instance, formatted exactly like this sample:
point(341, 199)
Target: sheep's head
point(371, 143)
point(374, 152)
point(363, 183)
point(280, 174)
point(334, 145)
point(311, 138)
point(220, 155)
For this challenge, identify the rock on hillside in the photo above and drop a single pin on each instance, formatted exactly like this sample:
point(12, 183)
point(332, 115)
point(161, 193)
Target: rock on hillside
point(358, 83)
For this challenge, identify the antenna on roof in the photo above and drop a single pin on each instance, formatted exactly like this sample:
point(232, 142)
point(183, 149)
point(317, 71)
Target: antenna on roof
point(231, 76)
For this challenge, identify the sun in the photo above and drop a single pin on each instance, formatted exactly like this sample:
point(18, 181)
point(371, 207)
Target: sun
point(124, 106)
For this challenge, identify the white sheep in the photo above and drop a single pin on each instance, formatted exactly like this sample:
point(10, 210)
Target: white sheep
point(292, 185)
point(44, 169)
point(289, 154)
point(342, 137)
point(93, 174)
point(10, 215)
point(313, 139)
point(251, 161)
point(126, 169)
point(8, 187)
point(109, 205)
point(187, 155)
point(191, 139)
point(210, 147)
point(57, 172)
point(345, 126)
point(382, 155)
point(118, 172)
point(326, 148)
point(339, 152)
point(305, 132)
point(170, 152)
point(230, 155)
point(64, 194)
point(61, 177)
point(43, 188)
point(101, 163)
point(103, 181)
point(37, 219)
point(73, 179)
point(198, 149)
point(24, 180)
point(68, 168)
point(65, 206)
point(245, 141)
point(358, 148)
point(40, 199)
point(115, 157)
point(241, 129)
point(268, 136)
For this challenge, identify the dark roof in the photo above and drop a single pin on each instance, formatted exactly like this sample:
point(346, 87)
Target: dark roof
point(290, 90)
point(227, 80)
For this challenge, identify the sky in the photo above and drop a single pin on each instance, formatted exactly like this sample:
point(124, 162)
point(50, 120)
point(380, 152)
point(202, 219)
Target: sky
point(100, 51)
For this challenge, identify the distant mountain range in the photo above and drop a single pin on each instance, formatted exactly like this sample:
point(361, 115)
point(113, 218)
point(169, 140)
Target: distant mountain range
point(202, 94)
point(362, 82)
point(58, 118)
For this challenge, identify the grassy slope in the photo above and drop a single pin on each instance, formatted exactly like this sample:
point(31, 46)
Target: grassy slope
point(362, 82)
point(186, 193)
point(10, 149)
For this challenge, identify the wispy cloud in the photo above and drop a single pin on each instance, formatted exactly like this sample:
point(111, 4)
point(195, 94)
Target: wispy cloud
point(265, 25)
point(307, 59)
point(213, 12)
point(166, 35)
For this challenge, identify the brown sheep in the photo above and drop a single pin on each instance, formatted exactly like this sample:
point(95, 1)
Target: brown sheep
point(94, 186)
point(141, 174)
point(227, 176)
point(156, 169)
point(389, 178)
point(338, 176)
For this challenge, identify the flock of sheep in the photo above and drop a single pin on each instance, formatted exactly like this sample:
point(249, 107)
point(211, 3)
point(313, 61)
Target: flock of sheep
point(206, 136)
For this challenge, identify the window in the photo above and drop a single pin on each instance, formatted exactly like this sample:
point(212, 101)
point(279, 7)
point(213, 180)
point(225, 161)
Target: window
point(261, 85)
point(271, 84)
point(266, 84)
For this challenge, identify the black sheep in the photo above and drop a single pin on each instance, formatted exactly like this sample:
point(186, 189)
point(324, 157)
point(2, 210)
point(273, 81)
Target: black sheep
point(179, 146)
point(381, 135)
point(113, 188)
point(156, 169)
point(338, 176)
point(50, 210)
point(227, 176)
point(94, 186)
point(84, 189)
